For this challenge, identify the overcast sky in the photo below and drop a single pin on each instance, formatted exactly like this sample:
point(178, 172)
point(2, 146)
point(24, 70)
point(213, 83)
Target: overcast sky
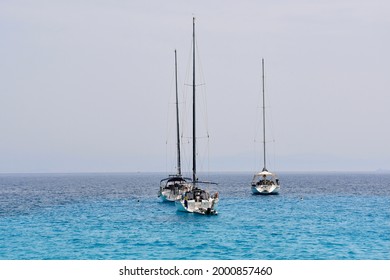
point(87, 86)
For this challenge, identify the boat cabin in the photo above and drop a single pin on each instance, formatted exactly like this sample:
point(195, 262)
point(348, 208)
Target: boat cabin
point(265, 178)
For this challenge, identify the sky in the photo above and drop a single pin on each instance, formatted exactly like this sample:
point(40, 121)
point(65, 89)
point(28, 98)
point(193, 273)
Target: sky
point(88, 86)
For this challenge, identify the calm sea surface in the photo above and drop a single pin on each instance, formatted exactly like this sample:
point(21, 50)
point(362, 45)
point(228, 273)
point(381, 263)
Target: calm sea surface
point(118, 216)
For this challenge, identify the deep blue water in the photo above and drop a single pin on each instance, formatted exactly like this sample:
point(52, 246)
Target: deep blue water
point(118, 216)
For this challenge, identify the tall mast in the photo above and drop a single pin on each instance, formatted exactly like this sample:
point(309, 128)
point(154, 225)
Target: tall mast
point(262, 66)
point(193, 105)
point(177, 121)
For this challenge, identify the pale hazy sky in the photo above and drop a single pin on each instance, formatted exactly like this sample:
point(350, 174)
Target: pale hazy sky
point(87, 86)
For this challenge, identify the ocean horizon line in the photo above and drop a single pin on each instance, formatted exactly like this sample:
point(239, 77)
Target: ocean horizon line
point(373, 171)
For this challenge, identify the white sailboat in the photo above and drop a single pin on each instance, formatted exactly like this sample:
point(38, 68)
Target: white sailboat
point(173, 187)
point(196, 200)
point(265, 182)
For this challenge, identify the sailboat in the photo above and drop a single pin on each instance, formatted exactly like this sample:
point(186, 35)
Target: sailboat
point(265, 182)
point(173, 187)
point(196, 200)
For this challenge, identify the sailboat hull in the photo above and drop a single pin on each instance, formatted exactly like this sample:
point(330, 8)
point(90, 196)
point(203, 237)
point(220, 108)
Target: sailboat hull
point(265, 189)
point(204, 207)
point(168, 196)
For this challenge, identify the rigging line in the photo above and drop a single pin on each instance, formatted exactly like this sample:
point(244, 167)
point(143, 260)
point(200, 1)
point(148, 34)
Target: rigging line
point(183, 117)
point(168, 111)
point(254, 156)
point(208, 157)
point(184, 120)
point(270, 127)
point(258, 150)
point(275, 158)
point(272, 140)
point(168, 126)
point(186, 93)
point(203, 91)
point(258, 121)
point(258, 118)
point(187, 159)
point(166, 158)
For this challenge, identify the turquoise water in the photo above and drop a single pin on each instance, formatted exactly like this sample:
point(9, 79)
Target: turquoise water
point(118, 216)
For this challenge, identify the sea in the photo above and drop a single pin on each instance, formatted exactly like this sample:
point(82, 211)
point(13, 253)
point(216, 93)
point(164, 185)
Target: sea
point(117, 216)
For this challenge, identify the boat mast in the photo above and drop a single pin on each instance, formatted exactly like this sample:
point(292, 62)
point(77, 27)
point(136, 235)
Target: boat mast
point(193, 105)
point(262, 66)
point(177, 122)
